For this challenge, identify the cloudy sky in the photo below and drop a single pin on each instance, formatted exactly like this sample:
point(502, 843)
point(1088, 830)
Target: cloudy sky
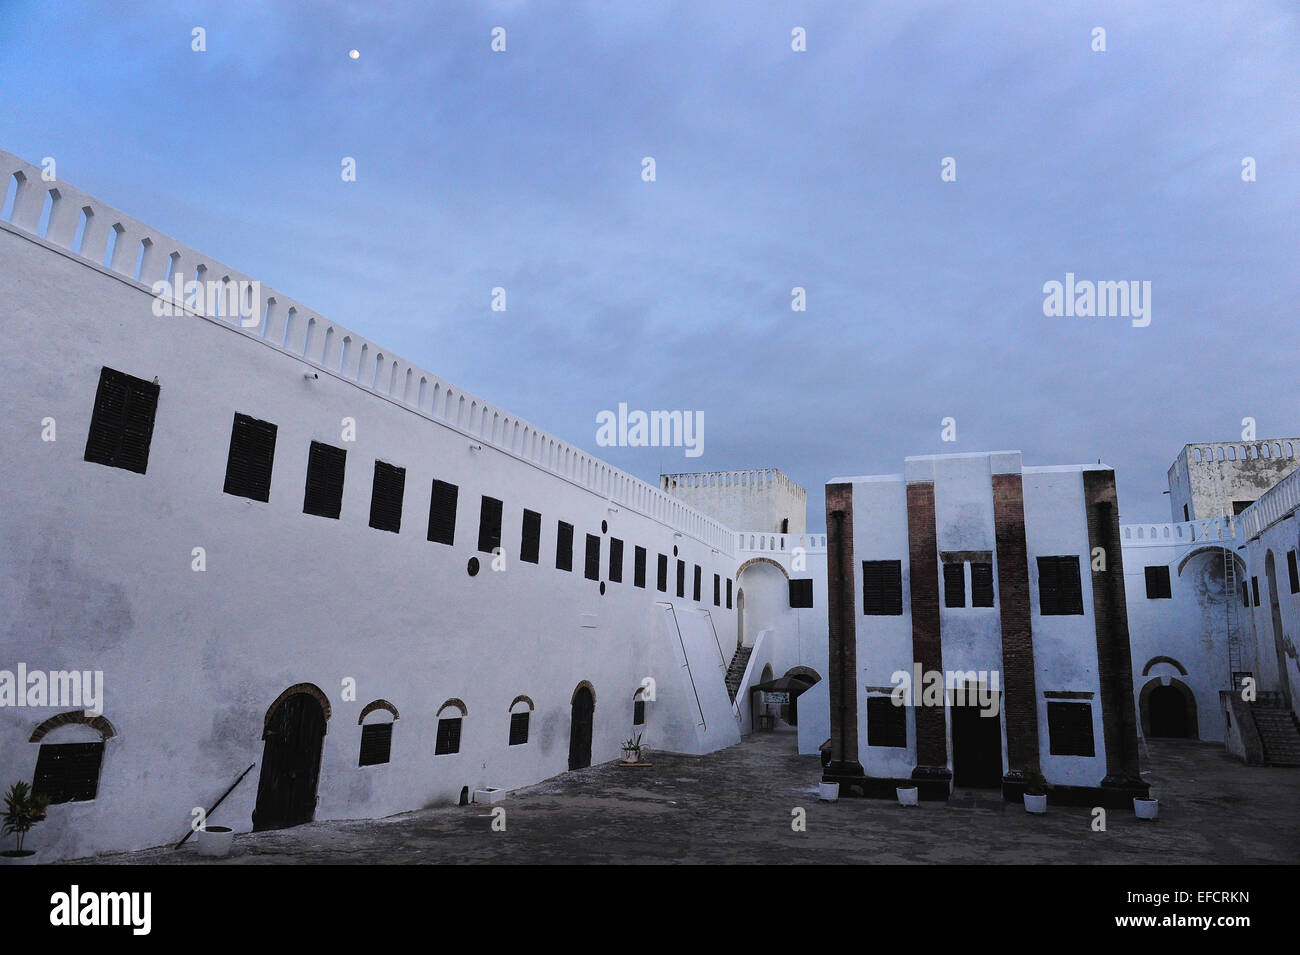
point(774, 169)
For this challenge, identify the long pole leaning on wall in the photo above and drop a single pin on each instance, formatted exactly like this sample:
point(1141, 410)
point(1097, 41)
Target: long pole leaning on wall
point(217, 803)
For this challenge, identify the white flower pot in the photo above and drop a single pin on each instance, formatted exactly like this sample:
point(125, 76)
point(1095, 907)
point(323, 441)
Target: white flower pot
point(1035, 804)
point(631, 756)
point(215, 841)
point(29, 857)
point(490, 795)
point(908, 795)
point(828, 792)
point(1146, 808)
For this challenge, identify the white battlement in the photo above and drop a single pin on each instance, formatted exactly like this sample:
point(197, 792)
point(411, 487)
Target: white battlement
point(76, 224)
point(1277, 503)
point(753, 479)
point(1222, 529)
point(767, 542)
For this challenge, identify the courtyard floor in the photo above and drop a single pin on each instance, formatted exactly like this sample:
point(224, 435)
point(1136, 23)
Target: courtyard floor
point(736, 806)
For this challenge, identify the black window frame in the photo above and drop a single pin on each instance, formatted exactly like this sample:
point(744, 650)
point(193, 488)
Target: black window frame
point(322, 494)
point(519, 728)
point(444, 499)
point(530, 537)
point(697, 583)
point(801, 593)
point(376, 744)
point(954, 583)
point(638, 712)
point(886, 723)
point(717, 590)
point(591, 566)
point(1158, 583)
point(1293, 572)
point(615, 560)
point(1066, 720)
point(638, 567)
point(122, 421)
point(728, 593)
point(490, 511)
point(250, 461)
point(1060, 586)
point(447, 741)
point(882, 588)
point(68, 772)
point(681, 579)
point(387, 489)
point(662, 574)
point(564, 546)
point(982, 591)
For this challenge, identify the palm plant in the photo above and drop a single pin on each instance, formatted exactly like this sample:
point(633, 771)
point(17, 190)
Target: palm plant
point(22, 811)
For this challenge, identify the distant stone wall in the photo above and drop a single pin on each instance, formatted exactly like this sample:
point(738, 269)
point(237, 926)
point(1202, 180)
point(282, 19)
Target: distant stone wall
point(758, 500)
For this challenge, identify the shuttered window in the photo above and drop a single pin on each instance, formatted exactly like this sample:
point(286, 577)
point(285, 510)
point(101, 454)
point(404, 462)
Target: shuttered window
point(531, 543)
point(681, 578)
point(662, 575)
point(728, 593)
point(518, 728)
point(1069, 729)
point(564, 546)
point(695, 590)
point(638, 713)
point(981, 584)
point(882, 587)
point(615, 560)
point(638, 567)
point(324, 492)
point(489, 525)
point(954, 584)
point(592, 569)
point(252, 452)
point(442, 512)
point(1254, 589)
point(448, 736)
point(376, 743)
point(68, 772)
point(801, 594)
point(717, 590)
point(121, 424)
point(886, 723)
point(1058, 586)
point(386, 497)
point(1293, 572)
point(1158, 582)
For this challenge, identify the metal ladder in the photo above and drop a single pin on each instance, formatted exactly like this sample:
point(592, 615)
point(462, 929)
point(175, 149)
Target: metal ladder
point(1231, 593)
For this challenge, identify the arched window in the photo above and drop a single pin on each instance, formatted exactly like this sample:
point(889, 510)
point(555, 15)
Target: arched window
point(638, 706)
point(67, 767)
point(376, 722)
point(450, 716)
point(520, 712)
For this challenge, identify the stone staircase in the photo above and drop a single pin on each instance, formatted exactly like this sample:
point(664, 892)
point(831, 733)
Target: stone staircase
point(736, 671)
point(1278, 732)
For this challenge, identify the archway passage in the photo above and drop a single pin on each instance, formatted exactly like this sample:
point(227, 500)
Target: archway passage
point(1168, 712)
point(584, 708)
point(294, 738)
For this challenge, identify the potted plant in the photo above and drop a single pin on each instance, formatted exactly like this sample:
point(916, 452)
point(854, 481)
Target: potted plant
point(1036, 795)
point(633, 751)
point(22, 811)
point(908, 795)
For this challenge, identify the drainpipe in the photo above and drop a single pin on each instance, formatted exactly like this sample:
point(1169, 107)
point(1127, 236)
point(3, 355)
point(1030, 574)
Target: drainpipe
point(837, 754)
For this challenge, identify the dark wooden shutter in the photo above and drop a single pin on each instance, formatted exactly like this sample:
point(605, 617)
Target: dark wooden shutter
point(728, 593)
point(531, 542)
point(376, 744)
point(717, 590)
point(1293, 572)
point(1069, 729)
point(592, 570)
point(1059, 588)
point(386, 497)
point(638, 567)
point(954, 584)
point(695, 590)
point(882, 587)
point(886, 723)
point(662, 574)
point(801, 593)
point(981, 584)
point(121, 424)
point(518, 728)
point(448, 740)
point(615, 560)
point(1254, 589)
point(489, 525)
point(68, 772)
point(1158, 585)
point(681, 578)
point(564, 546)
point(252, 454)
point(324, 493)
point(638, 713)
point(442, 512)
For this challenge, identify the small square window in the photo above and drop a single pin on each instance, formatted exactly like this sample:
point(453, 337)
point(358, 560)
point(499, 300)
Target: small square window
point(1059, 588)
point(882, 587)
point(121, 424)
point(448, 740)
point(518, 728)
point(801, 593)
point(886, 723)
point(1069, 729)
point(376, 743)
point(68, 772)
point(1158, 587)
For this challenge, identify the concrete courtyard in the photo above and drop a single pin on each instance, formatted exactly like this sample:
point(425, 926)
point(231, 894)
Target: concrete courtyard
point(736, 806)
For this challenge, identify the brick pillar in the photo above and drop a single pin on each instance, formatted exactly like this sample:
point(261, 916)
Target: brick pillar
point(927, 647)
point(1114, 661)
point(844, 767)
point(1019, 689)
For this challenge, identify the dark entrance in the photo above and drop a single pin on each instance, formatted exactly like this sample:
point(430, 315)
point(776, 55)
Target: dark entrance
point(286, 791)
point(976, 748)
point(1168, 710)
point(584, 708)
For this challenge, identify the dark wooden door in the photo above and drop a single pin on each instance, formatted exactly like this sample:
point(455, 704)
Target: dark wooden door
point(976, 748)
point(286, 791)
point(584, 708)
point(1168, 712)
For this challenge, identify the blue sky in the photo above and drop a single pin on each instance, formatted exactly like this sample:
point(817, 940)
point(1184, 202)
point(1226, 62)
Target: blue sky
point(775, 169)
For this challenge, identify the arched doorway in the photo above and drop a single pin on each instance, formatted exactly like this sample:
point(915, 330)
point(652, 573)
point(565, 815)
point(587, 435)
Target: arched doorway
point(580, 723)
point(1275, 611)
point(1168, 713)
point(294, 735)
